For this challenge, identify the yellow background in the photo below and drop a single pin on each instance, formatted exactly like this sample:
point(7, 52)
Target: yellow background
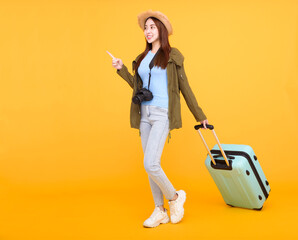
point(71, 166)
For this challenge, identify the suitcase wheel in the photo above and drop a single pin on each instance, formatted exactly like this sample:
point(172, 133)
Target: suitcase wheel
point(258, 209)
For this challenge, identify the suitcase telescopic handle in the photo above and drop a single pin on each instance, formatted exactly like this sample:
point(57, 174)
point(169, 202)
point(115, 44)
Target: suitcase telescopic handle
point(211, 127)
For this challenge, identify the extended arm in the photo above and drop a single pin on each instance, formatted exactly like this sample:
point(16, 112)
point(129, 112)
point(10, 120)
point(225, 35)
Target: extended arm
point(125, 74)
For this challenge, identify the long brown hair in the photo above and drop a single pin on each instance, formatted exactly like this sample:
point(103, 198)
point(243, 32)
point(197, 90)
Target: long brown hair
point(163, 56)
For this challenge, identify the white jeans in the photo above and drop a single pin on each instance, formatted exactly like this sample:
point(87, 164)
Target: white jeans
point(154, 129)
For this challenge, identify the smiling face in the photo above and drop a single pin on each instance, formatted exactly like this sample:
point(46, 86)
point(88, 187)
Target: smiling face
point(151, 31)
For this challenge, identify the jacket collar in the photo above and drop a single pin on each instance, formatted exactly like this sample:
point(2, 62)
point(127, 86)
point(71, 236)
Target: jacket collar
point(175, 56)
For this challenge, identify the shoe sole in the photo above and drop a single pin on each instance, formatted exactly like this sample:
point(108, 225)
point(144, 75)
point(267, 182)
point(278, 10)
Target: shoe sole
point(164, 221)
point(182, 215)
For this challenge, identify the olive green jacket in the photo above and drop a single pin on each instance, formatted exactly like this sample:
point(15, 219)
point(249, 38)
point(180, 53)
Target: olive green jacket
point(177, 81)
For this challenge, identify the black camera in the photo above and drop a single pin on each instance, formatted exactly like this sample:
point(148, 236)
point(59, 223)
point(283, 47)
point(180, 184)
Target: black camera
point(142, 95)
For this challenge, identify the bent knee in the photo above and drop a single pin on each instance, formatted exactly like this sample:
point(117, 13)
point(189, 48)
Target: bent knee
point(152, 168)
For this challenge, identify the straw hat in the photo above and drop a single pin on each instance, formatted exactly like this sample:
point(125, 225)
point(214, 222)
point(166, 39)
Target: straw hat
point(160, 16)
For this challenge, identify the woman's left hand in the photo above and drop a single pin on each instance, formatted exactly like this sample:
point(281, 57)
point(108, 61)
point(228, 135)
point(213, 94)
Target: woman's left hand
point(204, 123)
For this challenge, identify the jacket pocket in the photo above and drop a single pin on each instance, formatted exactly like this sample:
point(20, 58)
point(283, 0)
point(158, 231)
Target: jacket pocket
point(176, 93)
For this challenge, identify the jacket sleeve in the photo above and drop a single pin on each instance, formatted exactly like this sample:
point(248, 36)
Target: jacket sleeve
point(124, 73)
point(189, 96)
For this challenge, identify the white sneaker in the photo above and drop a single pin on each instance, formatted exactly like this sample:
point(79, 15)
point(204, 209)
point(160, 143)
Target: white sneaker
point(157, 217)
point(176, 207)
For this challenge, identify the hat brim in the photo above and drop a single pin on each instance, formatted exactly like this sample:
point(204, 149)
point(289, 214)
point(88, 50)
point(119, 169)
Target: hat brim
point(160, 16)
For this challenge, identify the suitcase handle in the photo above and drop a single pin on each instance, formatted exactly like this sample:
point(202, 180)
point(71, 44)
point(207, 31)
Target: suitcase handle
point(211, 127)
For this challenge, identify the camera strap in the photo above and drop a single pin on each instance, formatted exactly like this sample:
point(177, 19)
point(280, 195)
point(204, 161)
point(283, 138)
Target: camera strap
point(151, 66)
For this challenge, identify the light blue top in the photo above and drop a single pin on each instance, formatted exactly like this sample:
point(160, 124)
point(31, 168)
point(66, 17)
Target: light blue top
point(158, 83)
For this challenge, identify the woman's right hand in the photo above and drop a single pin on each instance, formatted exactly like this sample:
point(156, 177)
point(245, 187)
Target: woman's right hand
point(117, 63)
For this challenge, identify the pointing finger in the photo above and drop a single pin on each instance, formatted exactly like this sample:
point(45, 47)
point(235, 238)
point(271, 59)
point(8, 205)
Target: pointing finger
point(111, 55)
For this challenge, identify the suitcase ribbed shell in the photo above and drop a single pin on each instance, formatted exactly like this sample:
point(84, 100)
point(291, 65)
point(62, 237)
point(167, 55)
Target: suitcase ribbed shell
point(245, 185)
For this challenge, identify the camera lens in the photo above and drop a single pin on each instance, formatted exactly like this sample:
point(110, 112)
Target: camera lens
point(136, 99)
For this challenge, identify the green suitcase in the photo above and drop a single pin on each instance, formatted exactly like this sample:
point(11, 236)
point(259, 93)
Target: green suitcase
point(237, 173)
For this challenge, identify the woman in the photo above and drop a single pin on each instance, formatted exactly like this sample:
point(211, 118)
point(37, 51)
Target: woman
point(156, 117)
